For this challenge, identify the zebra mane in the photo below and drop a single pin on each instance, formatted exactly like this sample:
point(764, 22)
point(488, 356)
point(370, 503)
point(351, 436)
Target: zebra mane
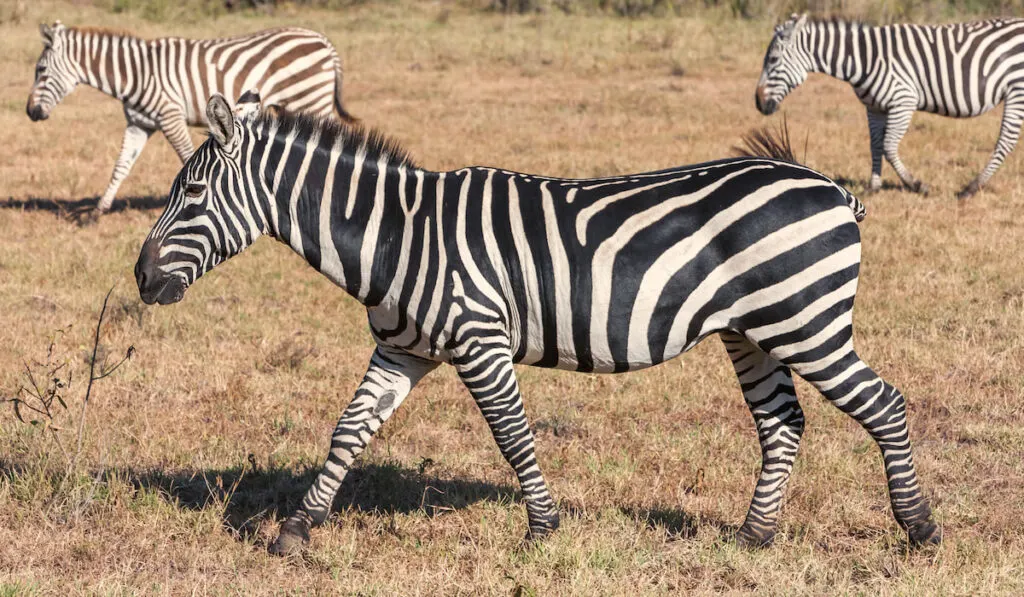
point(767, 142)
point(375, 143)
point(102, 31)
point(840, 20)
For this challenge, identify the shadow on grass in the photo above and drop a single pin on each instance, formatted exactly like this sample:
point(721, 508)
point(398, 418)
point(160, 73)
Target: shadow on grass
point(82, 210)
point(861, 185)
point(677, 523)
point(249, 497)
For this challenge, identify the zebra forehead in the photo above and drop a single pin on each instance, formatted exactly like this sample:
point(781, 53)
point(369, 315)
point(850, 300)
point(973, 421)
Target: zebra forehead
point(371, 142)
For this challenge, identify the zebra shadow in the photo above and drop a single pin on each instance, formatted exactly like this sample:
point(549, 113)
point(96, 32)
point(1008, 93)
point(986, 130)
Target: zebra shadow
point(248, 497)
point(82, 211)
point(676, 523)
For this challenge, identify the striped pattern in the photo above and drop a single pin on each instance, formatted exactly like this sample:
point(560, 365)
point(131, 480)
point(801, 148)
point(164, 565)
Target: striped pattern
point(165, 83)
point(959, 70)
point(484, 268)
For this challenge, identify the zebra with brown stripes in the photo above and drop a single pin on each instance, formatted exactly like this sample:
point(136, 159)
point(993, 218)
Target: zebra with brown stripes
point(165, 83)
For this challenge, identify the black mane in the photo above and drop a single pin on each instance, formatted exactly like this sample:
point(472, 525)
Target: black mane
point(767, 142)
point(373, 142)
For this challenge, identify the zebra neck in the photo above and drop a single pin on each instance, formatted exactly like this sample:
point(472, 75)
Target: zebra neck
point(343, 214)
point(835, 47)
point(113, 64)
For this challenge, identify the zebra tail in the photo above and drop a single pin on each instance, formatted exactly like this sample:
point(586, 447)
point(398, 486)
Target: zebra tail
point(860, 211)
point(775, 144)
point(345, 116)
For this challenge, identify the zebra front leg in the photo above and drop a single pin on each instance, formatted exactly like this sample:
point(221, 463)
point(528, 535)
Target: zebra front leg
point(388, 380)
point(768, 390)
point(896, 125)
point(491, 379)
point(1009, 132)
point(876, 128)
point(135, 137)
point(837, 372)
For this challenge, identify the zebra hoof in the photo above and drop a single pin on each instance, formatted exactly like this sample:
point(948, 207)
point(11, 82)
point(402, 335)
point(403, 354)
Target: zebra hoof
point(292, 539)
point(541, 529)
point(968, 191)
point(748, 538)
point(921, 188)
point(925, 533)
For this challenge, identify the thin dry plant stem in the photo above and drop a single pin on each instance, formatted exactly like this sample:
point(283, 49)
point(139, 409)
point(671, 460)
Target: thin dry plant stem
point(94, 378)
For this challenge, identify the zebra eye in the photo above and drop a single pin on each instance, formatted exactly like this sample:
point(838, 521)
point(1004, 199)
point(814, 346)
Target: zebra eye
point(40, 70)
point(194, 190)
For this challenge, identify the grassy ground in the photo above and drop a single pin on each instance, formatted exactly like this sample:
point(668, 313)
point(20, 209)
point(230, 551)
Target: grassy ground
point(653, 470)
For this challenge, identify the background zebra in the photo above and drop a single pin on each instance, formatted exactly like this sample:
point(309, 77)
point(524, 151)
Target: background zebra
point(482, 268)
point(957, 70)
point(164, 83)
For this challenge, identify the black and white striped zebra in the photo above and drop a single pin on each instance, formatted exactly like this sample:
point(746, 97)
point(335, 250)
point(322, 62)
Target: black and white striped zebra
point(164, 83)
point(959, 70)
point(484, 268)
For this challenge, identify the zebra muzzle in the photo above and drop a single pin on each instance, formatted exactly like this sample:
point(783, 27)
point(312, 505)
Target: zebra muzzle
point(764, 105)
point(156, 286)
point(36, 112)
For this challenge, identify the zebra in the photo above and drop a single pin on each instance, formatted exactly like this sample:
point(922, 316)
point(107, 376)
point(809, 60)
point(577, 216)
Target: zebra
point(483, 268)
point(163, 83)
point(960, 70)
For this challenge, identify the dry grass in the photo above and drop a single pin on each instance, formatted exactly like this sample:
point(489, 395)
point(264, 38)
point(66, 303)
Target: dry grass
point(652, 469)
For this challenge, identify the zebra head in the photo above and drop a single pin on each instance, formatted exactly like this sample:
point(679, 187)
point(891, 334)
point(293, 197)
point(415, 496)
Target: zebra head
point(56, 74)
point(210, 215)
point(785, 65)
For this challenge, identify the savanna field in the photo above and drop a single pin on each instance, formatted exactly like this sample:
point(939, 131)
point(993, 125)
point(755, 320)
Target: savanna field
point(193, 452)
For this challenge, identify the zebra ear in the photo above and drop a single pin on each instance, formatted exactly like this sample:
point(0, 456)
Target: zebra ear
point(248, 106)
point(800, 22)
point(47, 34)
point(222, 123)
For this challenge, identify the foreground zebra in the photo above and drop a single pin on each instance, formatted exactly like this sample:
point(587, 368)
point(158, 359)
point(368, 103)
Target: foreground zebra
point(163, 83)
point(958, 70)
point(483, 268)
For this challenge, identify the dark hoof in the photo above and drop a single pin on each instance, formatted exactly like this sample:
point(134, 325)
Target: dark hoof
point(968, 191)
point(541, 529)
point(920, 187)
point(748, 538)
point(292, 539)
point(925, 533)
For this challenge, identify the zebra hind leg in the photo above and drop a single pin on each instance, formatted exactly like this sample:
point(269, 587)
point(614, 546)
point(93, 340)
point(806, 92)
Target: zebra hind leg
point(838, 373)
point(768, 390)
point(1009, 132)
point(491, 379)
